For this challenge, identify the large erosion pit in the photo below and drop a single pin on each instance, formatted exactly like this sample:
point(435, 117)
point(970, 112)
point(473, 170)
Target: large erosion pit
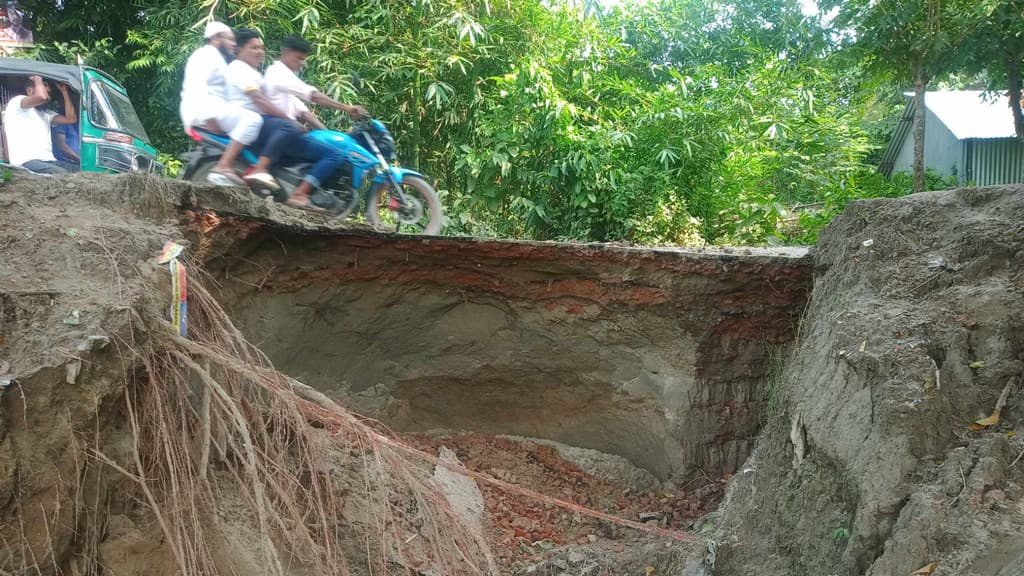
point(871, 459)
point(657, 356)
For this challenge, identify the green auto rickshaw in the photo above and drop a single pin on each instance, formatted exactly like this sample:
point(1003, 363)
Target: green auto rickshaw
point(112, 137)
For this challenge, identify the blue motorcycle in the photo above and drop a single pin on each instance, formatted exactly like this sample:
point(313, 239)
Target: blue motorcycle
point(396, 198)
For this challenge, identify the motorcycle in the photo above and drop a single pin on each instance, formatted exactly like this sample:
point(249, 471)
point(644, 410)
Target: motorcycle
point(395, 197)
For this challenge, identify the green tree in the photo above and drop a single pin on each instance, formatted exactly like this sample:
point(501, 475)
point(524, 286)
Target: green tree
point(668, 121)
point(913, 41)
point(995, 50)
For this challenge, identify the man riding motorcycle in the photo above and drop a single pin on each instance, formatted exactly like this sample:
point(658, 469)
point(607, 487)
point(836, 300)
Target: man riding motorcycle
point(289, 94)
point(245, 88)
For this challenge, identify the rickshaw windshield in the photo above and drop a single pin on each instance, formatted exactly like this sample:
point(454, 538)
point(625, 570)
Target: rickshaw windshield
point(109, 108)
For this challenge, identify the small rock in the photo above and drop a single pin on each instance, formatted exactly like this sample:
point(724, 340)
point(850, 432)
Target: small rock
point(995, 497)
point(576, 557)
point(592, 538)
point(71, 371)
point(98, 341)
point(94, 342)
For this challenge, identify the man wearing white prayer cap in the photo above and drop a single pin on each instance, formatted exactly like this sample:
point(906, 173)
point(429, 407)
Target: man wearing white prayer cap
point(203, 104)
point(214, 28)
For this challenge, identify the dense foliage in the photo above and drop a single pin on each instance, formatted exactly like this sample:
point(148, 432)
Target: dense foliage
point(666, 121)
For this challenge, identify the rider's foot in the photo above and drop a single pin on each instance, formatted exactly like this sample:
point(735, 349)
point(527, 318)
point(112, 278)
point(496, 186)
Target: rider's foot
point(262, 181)
point(302, 202)
point(224, 177)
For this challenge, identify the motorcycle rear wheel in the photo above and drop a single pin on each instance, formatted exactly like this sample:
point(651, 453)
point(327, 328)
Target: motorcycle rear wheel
point(423, 216)
point(347, 199)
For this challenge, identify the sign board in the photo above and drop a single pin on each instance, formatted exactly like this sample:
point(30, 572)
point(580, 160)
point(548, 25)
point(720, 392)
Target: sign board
point(15, 28)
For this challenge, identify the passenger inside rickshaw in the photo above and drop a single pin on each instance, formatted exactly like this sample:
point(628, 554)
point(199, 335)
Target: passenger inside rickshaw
point(33, 107)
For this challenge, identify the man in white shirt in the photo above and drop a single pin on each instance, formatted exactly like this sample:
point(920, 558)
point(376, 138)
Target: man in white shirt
point(27, 128)
point(289, 93)
point(203, 102)
point(245, 88)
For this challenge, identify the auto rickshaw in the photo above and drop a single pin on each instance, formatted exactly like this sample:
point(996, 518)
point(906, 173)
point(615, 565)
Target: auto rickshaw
point(112, 137)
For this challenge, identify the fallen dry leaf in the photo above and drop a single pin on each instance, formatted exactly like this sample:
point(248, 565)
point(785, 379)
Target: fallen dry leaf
point(986, 422)
point(925, 570)
point(648, 571)
point(863, 345)
point(994, 418)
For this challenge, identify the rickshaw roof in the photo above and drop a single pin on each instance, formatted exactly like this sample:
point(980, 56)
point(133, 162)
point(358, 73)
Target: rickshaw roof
point(71, 75)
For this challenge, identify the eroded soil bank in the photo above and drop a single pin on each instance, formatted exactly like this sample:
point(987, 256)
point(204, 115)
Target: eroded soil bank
point(869, 462)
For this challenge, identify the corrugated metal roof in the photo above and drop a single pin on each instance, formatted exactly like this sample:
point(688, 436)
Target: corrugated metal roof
point(972, 114)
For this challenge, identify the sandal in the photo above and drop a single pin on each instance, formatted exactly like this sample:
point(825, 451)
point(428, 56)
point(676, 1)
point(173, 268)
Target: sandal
point(305, 205)
point(220, 177)
point(262, 181)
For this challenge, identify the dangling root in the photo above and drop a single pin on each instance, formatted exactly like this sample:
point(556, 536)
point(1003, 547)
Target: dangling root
point(218, 419)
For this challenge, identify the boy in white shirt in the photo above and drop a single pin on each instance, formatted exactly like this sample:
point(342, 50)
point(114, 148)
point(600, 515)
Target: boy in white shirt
point(245, 88)
point(203, 103)
point(289, 93)
point(27, 127)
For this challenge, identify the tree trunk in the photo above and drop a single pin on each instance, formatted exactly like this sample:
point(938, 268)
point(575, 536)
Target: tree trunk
point(1013, 59)
point(920, 83)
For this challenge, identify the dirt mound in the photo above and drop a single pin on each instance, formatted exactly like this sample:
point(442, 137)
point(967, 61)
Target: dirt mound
point(127, 449)
point(869, 462)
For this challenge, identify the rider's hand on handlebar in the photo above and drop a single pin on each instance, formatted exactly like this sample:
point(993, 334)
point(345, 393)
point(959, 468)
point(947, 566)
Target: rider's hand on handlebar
point(357, 112)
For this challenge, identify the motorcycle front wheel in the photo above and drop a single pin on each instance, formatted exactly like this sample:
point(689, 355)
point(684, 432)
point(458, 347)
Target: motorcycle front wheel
point(422, 215)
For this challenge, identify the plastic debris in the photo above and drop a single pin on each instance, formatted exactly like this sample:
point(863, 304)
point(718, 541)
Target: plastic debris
point(74, 318)
point(179, 286)
point(868, 243)
point(940, 263)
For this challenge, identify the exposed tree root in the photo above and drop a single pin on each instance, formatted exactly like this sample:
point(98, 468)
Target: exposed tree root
point(215, 413)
